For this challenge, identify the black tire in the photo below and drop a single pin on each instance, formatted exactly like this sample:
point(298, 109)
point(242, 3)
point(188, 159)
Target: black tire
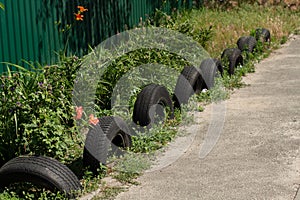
point(210, 69)
point(189, 82)
point(247, 43)
point(151, 105)
point(40, 171)
point(219, 65)
point(110, 131)
point(95, 148)
point(263, 35)
point(117, 131)
point(234, 57)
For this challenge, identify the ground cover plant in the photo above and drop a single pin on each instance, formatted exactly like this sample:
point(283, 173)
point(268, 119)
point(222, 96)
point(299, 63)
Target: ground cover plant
point(37, 114)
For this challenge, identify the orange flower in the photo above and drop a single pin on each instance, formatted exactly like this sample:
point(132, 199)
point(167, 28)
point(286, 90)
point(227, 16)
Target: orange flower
point(82, 9)
point(93, 120)
point(78, 16)
point(79, 111)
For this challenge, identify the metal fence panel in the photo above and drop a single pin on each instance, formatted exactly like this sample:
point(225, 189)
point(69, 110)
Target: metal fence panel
point(36, 30)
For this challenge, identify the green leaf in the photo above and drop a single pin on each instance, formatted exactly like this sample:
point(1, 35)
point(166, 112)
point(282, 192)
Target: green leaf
point(15, 65)
point(2, 6)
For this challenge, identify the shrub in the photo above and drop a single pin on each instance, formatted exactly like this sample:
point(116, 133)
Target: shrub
point(127, 63)
point(36, 112)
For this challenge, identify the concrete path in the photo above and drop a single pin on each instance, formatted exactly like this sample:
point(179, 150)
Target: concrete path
point(257, 155)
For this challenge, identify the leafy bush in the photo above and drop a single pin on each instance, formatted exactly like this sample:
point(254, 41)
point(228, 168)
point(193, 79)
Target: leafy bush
point(127, 63)
point(181, 23)
point(36, 112)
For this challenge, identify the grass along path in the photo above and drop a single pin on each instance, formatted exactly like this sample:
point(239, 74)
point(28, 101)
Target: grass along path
point(227, 27)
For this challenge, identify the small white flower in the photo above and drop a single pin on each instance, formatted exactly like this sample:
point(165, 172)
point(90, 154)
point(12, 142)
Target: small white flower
point(204, 90)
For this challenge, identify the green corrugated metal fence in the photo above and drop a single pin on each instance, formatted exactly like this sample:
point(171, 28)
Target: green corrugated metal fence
point(35, 30)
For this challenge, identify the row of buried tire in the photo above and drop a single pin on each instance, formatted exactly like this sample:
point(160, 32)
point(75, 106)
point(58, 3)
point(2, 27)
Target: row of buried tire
point(112, 134)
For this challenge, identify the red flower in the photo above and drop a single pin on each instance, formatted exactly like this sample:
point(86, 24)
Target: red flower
point(82, 9)
point(78, 16)
point(93, 120)
point(79, 111)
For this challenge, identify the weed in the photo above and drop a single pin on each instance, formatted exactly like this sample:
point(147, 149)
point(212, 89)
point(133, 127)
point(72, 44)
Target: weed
point(200, 108)
point(91, 182)
point(28, 191)
point(283, 39)
point(154, 140)
point(108, 193)
point(297, 32)
point(217, 93)
point(128, 168)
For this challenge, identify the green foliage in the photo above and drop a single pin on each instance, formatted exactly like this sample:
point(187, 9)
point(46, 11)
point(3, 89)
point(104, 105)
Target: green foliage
point(2, 6)
point(181, 23)
point(91, 182)
point(27, 191)
point(109, 193)
point(153, 139)
point(130, 167)
point(127, 63)
point(283, 39)
point(297, 31)
point(234, 81)
point(36, 112)
point(8, 196)
point(218, 93)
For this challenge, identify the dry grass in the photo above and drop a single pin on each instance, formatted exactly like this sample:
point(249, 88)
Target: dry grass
point(228, 26)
